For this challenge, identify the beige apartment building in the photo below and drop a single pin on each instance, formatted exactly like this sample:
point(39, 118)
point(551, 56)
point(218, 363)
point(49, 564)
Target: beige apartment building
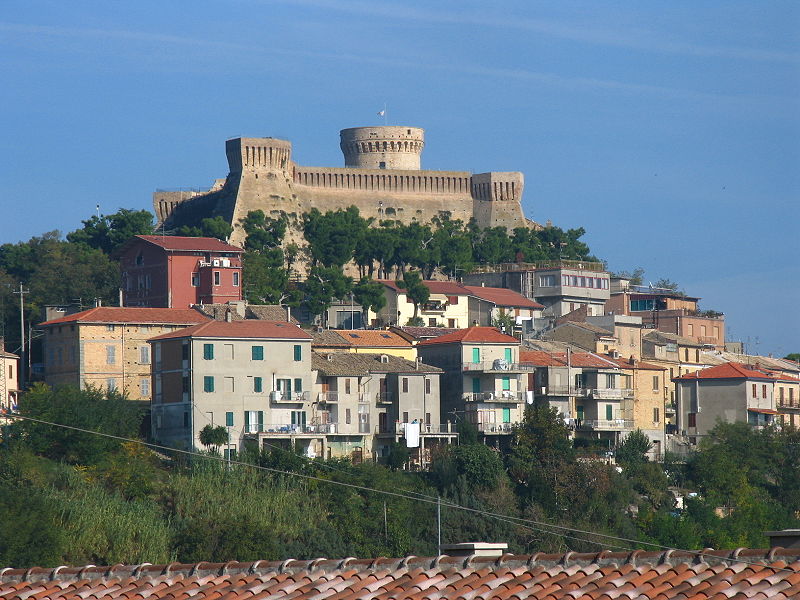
point(9, 381)
point(107, 347)
point(249, 376)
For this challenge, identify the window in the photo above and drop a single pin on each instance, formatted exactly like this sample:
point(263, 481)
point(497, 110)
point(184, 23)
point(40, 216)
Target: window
point(216, 277)
point(229, 453)
point(547, 280)
point(144, 355)
point(755, 391)
point(298, 385)
point(609, 412)
point(508, 355)
point(257, 352)
point(347, 416)
point(382, 164)
point(144, 388)
point(195, 279)
point(298, 352)
point(427, 386)
point(476, 385)
point(347, 386)
point(111, 355)
point(236, 279)
point(476, 355)
point(656, 415)
point(229, 419)
point(109, 327)
point(184, 350)
point(451, 323)
point(452, 300)
point(641, 305)
point(405, 417)
point(208, 351)
point(111, 384)
point(506, 414)
point(655, 383)
point(764, 391)
point(432, 322)
point(703, 330)
point(690, 329)
point(299, 418)
point(208, 383)
point(258, 384)
point(692, 419)
point(185, 384)
point(253, 421)
point(506, 384)
point(405, 385)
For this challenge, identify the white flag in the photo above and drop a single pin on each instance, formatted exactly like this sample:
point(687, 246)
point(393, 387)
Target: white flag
point(382, 113)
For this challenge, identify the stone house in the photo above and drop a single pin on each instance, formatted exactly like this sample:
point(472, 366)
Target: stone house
point(250, 376)
point(483, 382)
point(107, 347)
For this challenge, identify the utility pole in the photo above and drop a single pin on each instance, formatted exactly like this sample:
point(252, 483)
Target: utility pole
point(22, 373)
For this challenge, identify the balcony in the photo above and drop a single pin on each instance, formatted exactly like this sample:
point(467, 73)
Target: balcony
point(426, 429)
point(328, 397)
point(289, 397)
point(279, 429)
point(496, 366)
point(562, 390)
point(611, 393)
point(503, 396)
point(384, 397)
point(605, 424)
point(496, 428)
point(436, 306)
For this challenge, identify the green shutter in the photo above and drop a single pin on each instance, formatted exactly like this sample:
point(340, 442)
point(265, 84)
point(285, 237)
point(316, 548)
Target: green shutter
point(509, 358)
point(476, 385)
point(257, 384)
point(261, 420)
point(208, 351)
point(609, 412)
point(298, 385)
point(579, 410)
point(257, 352)
point(506, 383)
point(229, 419)
point(476, 355)
point(506, 415)
point(247, 421)
point(208, 383)
point(298, 352)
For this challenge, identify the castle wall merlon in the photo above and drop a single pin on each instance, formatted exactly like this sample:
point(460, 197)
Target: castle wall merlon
point(270, 154)
point(395, 181)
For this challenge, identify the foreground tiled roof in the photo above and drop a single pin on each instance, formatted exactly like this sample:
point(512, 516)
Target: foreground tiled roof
point(373, 338)
point(115, 314)
point(343, 364)
point(198, 244)
point(729, 370)
point(248, 328)
point(486, 335)
point(540, 358)
point(502, 297)
point(414, 334)
point(605, 575)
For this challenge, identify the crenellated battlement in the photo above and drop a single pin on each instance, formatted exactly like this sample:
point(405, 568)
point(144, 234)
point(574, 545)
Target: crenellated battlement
point(271, 154)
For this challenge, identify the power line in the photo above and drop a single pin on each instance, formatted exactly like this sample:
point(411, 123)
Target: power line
point(540, 525)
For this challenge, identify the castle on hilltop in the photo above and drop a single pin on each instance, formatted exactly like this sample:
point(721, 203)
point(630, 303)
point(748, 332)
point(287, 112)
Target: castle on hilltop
point(381, 177)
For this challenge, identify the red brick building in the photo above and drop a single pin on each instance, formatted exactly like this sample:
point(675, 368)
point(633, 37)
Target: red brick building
point(176, 272)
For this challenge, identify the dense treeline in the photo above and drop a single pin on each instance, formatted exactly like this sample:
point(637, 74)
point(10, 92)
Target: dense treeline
point(68, 497)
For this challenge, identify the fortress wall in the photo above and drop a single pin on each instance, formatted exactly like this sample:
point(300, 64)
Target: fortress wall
point(413, 182)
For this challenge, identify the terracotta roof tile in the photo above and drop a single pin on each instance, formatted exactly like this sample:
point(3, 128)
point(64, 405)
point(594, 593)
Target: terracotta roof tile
point(372, 338)
point(197, 244)
point(486, 335)
point(116, 314)
point(641, 575)
point(502, 297)
point(248, 328)
point(729, 370)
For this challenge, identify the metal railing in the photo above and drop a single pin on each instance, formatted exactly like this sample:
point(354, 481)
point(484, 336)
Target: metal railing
point(583, 265)
point(502, 396)
point(293, 429)
point(605, 424)
point(424, 428)
point(611, 393)
point(562, 390)
point(328, 397)
point(384, 397)
point(496, 365)
point(276, 396)
point(504, 428)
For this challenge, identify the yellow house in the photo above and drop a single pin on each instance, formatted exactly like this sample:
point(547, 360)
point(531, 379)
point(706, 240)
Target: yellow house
point(107, 347)
point(447, 306)
point(364, 341)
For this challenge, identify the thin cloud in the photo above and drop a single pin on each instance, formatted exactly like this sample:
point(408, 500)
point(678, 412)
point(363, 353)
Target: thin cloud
point(641, 40)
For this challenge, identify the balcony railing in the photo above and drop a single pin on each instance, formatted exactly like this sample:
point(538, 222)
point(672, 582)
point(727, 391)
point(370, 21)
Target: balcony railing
point(292, 429)
point(291, 397)
point(384, 397)
point(611, 393)
point(497, 365)
point(562, 390)
point(328, 397)
point(606, 424)
point(501, 428)
point(503, 396)
point(424, 428)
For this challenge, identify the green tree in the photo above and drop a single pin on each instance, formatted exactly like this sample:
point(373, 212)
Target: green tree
point(633, 449)
point(370, 295)
point(264, 233)
point(213, 227)
point(266, 280)
point(215, 437)
point(333, 236)
point(323, 286)
point(795, 356)
point(416, 290)
point(109, 232)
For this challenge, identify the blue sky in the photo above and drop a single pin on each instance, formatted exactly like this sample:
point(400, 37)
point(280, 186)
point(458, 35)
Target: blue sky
point(670, 131)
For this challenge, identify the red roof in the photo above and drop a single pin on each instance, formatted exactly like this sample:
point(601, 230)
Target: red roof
point(502, 297)
point(741, 573)
point(729, 370)
point(540, 358)
point(485, 335)
point(373, 338)
point(247, 328)
point(626, 364)
point(197, 244)
point(117, 314)
point(445, 288)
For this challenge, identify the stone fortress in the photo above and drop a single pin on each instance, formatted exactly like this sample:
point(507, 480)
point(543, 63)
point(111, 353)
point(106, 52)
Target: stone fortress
point(381, 177)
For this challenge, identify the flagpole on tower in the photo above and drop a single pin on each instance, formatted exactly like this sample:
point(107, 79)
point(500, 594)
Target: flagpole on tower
point(382, 113)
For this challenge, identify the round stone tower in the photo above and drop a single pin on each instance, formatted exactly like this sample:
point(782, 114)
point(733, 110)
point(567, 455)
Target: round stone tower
point(388, 147)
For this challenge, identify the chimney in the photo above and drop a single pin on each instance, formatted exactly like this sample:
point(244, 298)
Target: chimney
point(465, 549)
point(228, 315)
point(786, 538)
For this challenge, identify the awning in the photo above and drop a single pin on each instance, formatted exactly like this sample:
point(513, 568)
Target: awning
point(763, 411)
